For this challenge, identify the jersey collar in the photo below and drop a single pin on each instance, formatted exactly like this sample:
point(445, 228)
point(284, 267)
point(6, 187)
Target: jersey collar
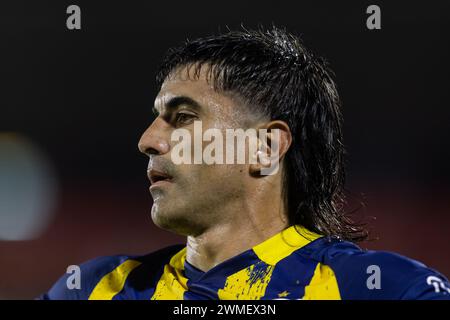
point(269, 251)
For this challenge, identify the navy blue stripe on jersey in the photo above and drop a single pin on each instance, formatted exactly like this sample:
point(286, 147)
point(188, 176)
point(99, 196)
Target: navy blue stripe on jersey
point(290, 277)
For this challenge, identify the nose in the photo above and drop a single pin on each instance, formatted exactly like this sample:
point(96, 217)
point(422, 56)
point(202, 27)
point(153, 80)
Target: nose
point(153, 141)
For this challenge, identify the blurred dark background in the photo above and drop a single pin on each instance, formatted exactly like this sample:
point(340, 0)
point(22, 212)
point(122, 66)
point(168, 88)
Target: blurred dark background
point(74, 103)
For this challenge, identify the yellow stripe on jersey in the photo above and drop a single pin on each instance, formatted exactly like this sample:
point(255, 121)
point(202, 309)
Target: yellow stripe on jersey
point(172, 284)
point(284, 243)
point(323, 285)
point(112, 283)
point(247, 284)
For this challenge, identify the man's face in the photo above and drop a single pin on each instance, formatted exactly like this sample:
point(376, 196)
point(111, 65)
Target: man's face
point(187, 200)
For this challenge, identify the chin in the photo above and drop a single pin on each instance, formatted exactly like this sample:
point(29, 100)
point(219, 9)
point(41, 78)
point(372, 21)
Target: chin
point(166, 220)
point(159, 218)
point(173, 221)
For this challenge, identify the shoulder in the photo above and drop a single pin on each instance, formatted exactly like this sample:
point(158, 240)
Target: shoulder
point(368, 274)
point(80, 280)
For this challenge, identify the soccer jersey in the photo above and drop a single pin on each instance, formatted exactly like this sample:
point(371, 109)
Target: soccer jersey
point(293, 264)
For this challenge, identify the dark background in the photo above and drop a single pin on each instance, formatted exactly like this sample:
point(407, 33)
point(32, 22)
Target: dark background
point(83, 98)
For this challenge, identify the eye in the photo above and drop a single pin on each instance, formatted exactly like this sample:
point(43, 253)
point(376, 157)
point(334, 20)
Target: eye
point(183, 118)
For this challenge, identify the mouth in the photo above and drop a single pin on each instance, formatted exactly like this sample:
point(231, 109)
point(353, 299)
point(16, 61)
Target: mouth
point(158, 178)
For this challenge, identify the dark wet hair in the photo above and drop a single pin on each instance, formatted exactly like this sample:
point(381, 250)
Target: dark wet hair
point(272, 70)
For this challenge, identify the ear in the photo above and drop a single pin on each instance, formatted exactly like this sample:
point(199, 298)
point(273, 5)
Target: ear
point(274, 139)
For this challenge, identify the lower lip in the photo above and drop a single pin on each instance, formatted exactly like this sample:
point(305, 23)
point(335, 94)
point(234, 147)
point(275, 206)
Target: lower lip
point(160, 183)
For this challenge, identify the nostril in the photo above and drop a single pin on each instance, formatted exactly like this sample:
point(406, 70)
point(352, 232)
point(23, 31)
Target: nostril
point(151, 151)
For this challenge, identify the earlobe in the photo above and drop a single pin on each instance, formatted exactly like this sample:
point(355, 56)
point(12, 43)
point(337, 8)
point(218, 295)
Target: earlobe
point(261, 161)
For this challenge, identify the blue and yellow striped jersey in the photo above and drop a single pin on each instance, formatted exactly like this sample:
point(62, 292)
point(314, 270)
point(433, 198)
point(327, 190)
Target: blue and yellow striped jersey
point(294, 264)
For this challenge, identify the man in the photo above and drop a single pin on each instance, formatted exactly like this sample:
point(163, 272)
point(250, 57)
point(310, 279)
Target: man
point(250, 235)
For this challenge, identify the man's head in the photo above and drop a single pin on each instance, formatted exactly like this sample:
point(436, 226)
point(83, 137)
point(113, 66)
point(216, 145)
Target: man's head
point(249, 80)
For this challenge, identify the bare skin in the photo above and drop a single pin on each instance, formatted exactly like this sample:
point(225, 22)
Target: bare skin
point(222, 209)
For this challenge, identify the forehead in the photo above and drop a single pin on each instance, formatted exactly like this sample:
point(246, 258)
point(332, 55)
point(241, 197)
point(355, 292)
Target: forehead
point(181, 83)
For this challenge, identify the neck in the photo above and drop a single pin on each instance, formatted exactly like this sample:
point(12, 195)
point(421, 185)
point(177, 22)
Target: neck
point(249, 224)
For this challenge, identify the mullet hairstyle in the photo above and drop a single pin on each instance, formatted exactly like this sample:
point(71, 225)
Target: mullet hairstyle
point(275, 75)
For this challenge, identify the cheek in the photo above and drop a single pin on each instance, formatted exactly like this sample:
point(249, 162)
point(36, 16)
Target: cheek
point(222, 178)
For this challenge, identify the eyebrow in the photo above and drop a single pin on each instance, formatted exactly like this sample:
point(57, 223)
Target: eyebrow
point(177, 101)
